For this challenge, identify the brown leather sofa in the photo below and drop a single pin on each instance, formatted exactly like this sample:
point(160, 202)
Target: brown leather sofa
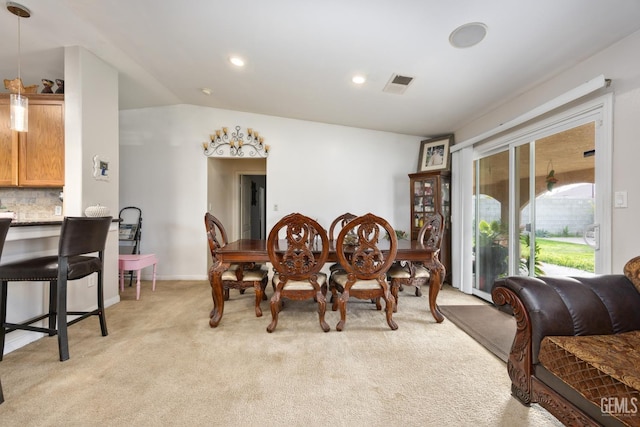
point(577, 346)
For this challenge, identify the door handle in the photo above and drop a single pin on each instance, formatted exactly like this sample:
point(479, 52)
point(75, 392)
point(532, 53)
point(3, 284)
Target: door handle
point(591, 236)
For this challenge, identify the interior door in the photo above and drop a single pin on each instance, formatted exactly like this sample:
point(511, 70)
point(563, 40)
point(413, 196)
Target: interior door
point(245, 206)
point(253, 208)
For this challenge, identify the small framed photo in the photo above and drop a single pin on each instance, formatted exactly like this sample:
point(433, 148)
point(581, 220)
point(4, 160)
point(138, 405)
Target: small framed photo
point(100, 168)
point(434, 153)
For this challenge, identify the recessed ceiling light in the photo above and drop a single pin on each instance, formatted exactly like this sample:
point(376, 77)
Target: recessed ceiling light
point(468, 35)
point(359, 79)
point(237, 61)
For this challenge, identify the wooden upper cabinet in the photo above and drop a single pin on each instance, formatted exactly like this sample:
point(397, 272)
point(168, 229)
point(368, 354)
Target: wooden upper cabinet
point(8, 148)
point(34, 158)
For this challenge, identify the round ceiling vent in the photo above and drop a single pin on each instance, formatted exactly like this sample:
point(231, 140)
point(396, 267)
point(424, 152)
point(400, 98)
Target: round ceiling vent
point(468, 35)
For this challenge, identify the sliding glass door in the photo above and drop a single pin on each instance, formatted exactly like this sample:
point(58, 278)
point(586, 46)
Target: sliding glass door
point(491, 240)
point(535, 207)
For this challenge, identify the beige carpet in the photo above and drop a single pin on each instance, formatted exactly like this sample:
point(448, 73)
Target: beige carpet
point(162, 365)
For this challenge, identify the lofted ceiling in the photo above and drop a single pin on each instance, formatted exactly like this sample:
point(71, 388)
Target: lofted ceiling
point(301, 54)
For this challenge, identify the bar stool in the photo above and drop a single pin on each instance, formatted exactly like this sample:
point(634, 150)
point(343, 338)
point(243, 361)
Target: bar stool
point(80, 238)
point(4, 228)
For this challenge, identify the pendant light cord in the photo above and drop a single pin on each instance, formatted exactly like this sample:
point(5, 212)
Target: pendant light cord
point(19, 56)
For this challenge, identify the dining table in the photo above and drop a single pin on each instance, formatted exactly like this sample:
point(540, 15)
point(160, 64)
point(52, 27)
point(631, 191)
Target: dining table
point(247, 251)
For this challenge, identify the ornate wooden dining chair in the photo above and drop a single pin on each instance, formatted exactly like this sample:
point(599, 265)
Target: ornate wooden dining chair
point(338, 224)
point(80, 254)
point(297, 266)
point(334, 229)
point(366, 265)
point(5, 223)
point(417, 273)
point(237, 276)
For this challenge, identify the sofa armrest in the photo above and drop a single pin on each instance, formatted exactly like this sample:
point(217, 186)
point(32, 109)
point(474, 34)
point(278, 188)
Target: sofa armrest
point(598, 305)
point(548, 306)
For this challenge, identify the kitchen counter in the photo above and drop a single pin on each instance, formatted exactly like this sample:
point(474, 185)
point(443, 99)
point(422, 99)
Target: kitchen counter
point(32, 223)
point(25, 230)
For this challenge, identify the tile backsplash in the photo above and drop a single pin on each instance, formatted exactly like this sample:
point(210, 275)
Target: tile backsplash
point(31, 204)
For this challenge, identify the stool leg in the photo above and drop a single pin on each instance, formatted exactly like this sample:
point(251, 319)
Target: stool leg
point(53, 293)
point(1, 394)
point(3, 314)
point(101, 313)
point(63, 338)
point(154, 277)
point(121, 280)
point(138, 285)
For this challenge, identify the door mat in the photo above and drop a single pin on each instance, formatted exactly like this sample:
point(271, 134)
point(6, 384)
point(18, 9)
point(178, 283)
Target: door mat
point(492, 328)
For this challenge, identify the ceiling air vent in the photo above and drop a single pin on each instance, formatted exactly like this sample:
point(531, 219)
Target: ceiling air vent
point(397, 84)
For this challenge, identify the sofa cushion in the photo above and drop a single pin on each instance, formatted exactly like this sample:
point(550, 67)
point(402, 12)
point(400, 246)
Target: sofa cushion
point(632, 271)
point(597, 366)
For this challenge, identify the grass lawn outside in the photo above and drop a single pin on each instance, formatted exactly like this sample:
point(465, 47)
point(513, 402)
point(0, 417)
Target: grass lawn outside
point(566, 254)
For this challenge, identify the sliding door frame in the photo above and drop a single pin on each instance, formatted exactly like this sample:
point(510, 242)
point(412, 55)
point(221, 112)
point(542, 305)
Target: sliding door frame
point(599, 110)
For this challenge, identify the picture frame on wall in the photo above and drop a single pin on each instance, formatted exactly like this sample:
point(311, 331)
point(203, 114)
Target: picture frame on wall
point(100, 168)
point(434, 153)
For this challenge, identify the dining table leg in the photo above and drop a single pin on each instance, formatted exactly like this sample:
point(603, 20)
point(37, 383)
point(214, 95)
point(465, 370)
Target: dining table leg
point(437, 274)
point(217, 293)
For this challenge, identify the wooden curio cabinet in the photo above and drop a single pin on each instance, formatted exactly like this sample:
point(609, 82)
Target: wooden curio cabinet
point(34, 158)
point(431, 192)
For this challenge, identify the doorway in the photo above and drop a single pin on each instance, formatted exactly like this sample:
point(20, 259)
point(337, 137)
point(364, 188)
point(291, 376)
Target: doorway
point(230, 201)
point(253, 207)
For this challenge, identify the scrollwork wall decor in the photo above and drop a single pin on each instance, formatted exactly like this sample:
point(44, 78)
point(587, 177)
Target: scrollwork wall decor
point(235, 144)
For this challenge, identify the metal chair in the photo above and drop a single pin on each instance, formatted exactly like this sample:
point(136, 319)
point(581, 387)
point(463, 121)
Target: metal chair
point(80, 239)
point(130, 233)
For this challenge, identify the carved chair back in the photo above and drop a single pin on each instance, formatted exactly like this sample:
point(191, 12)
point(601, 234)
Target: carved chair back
point(216, 234)
point(432, 231)
point(339, 223)
point(303, 255)
point(360, 255)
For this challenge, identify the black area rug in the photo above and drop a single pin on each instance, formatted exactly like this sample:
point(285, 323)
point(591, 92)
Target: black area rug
point(486, 324)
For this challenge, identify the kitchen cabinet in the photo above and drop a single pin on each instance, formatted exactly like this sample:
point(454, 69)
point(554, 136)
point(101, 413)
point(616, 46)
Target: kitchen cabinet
point(430, 192)
point(34, 158)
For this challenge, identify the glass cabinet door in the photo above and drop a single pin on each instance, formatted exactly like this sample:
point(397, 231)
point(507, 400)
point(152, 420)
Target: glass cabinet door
point(430, 193)
point(424, 201)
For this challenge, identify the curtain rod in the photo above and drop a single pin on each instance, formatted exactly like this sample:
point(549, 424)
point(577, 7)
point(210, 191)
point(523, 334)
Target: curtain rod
point(567, 97)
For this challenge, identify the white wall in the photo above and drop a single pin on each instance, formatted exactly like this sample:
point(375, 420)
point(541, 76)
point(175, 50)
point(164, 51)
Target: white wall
point(317, 169)
point(91, 126)
point(621, 63)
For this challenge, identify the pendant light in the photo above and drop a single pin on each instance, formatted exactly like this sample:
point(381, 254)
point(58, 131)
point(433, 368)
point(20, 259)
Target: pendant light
point(19, 104)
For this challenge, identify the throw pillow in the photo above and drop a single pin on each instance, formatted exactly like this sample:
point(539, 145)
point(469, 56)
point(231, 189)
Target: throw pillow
point(632, 271)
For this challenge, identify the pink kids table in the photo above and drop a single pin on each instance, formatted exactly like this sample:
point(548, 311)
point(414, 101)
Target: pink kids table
point(136, 262)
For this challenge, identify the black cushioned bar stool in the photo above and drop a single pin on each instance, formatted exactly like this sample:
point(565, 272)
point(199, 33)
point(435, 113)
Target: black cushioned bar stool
point(4, 228)
point(80, 239)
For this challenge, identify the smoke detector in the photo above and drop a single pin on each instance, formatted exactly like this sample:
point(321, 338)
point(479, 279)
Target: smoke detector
point(397, 84)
